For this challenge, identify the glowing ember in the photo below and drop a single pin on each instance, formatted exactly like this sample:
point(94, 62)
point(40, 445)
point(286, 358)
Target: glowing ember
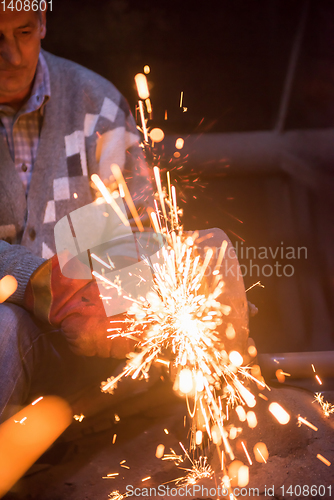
point(179, 143)
point(36, 401)
point(252, 351)
point(142, 86)
point(172, 456)
point(117, 173)
point(185, 381)
point(230, 332)
point(326, 407)
point(116, 495)
point(243, 476)
point(324, 460)
point(79, 418)
point(157, 135)
point(251, 419)
point(108, 198)
point(8, 285)
point(280, 376)
point(246, 453)
point(241, 413)
point(160, 451)
point(261, 452)
point(200, 470)
point(148, 105)
point(199, 437)
point(233, 472)
point(22, 421)
point(302, 420)
point(236, 358)
point(279, 413)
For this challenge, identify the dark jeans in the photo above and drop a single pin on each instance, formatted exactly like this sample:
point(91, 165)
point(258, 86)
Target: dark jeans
point(36, 361)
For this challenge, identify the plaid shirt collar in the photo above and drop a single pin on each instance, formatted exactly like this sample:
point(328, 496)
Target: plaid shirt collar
point(40, 93)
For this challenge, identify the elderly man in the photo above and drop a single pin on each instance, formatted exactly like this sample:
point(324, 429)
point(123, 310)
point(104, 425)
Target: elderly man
point(59, 123)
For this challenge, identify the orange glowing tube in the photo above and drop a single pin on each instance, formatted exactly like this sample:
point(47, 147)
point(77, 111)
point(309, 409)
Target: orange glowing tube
point(27, 435)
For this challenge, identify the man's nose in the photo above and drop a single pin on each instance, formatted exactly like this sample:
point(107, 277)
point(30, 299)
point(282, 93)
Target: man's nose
point(10, 52)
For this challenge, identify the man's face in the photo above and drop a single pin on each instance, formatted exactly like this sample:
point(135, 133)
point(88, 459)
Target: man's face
point(20, 43)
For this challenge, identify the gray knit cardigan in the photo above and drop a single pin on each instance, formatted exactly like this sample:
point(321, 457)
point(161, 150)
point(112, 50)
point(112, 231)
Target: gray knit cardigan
point(87, 126)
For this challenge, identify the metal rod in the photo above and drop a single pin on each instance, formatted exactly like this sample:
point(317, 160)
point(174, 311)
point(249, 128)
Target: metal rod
point(251, 153)
point(298, 364)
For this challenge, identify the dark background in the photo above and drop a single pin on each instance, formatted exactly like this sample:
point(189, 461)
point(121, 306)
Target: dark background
point(230, 58)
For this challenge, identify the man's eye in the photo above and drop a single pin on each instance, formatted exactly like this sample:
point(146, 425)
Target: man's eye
point(25, 33)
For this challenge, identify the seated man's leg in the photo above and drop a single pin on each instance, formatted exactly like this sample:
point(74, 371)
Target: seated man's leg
point(35, 360)
point(20, 340)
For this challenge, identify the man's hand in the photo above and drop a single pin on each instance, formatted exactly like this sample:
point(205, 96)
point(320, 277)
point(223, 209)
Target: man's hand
point(75, 306)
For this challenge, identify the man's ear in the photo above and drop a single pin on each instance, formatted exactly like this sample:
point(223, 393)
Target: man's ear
point(43, 24)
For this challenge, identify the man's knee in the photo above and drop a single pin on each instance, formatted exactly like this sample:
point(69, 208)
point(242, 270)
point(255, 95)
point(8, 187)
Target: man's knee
point(15, 323)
